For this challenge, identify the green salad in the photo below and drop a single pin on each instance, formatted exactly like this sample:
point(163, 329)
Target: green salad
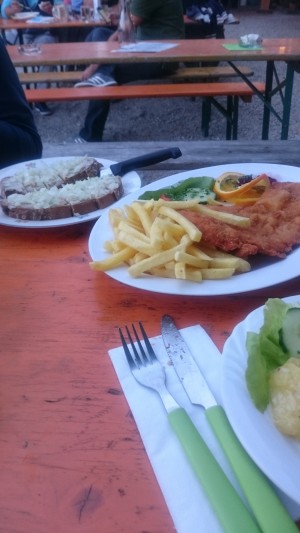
point(277, 341)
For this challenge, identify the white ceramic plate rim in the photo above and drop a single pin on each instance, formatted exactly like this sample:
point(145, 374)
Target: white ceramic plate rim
point(276, 455)
point(279, 271)
point(25, 16)
point(41, 18)
point(131, 182)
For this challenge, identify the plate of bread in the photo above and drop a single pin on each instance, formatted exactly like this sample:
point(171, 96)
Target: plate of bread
point(60, 191)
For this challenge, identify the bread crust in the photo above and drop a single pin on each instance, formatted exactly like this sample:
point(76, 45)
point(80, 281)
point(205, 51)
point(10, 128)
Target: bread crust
point(47, 213)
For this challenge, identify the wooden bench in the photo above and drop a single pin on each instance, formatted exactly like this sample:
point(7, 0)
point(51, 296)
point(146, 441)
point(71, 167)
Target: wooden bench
point(207, 73)
point(183, 74)
point(208, 91)
point(55, 77)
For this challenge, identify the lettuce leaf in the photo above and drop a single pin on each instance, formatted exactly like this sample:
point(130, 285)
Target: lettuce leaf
point(200, 188)
point(265, 352)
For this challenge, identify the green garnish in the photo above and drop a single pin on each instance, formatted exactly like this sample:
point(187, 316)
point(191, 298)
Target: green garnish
point(189, 189)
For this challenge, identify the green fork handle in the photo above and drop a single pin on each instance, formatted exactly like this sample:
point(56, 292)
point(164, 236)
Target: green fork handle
point(226, 503)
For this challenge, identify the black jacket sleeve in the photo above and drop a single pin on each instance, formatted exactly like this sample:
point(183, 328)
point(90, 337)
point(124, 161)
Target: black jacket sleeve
point(19, 138)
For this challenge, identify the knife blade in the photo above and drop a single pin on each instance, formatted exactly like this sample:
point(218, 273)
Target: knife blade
point(270, 514)
point(121, 168)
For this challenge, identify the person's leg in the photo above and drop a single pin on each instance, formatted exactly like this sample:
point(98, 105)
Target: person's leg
point(125, 73)
point(95, 119)
point(99, 35)
point(98, 110)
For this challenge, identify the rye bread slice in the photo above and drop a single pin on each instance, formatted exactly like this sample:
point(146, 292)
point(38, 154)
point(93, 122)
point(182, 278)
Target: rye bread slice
point(92, 169)
point(75, 199)
point(57, 174)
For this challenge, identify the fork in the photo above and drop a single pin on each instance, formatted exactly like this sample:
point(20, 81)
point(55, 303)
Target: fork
point(148, 372)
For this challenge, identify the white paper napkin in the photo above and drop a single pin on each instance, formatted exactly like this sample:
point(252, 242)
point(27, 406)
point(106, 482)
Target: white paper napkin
point(145, 46)
point(187, 503)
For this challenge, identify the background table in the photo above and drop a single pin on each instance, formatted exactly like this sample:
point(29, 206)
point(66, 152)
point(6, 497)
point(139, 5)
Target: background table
point(196, 50)
point(71, 457)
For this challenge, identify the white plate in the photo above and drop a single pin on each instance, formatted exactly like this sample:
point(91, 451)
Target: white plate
point(268, 273)
point(24, 15)
point(131, 182)
point(276, 455)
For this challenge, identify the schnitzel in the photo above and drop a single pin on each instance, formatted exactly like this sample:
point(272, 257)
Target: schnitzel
point(274, 228)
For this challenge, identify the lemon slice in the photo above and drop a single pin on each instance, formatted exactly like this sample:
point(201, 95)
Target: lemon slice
point(227, 187)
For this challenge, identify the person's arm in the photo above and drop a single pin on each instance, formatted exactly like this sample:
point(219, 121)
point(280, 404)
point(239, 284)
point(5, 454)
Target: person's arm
point(19, 138)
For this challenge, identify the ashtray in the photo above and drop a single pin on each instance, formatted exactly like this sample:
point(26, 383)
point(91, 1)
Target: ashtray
point(252, 40)
point(29, 49)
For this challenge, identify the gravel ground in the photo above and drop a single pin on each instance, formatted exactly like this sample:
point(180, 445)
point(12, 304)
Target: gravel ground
point(179, 118)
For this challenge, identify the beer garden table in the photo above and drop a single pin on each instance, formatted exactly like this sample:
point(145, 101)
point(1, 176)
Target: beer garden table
point(72, 459)
point(189, 51)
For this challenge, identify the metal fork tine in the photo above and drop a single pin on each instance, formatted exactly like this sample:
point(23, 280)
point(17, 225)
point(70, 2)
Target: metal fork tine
point(147, 343)
point(138, 358)
point(132, 363)
point(142, 355)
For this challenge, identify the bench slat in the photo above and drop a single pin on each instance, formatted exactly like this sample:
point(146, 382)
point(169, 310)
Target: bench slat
point(54, 76)
point(182, 74)
point(208, 91)
point(194, 73)
point(111, 92)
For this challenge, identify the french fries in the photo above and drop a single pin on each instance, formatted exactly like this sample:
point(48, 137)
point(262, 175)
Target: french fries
point(153, 238)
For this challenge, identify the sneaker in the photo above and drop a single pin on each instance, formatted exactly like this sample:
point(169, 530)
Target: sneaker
point(79, 140)
point(98, 80)
point(231, 19)
point(43, 109)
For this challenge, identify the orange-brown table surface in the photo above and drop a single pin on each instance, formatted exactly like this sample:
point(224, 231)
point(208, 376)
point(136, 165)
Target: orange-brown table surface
point(185, 50)
point(71, 457)
point(15, 24)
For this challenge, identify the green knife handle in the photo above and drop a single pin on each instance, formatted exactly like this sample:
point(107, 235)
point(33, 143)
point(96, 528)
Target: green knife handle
point(227, 504)
point(266, 506)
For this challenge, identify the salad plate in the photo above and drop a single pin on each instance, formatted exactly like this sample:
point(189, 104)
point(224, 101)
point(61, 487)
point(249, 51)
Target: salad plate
point(263, 273)
point(131, 182)
point(277, 455)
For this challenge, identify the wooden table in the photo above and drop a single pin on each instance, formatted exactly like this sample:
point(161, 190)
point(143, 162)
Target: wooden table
point(71, 457)
point(55, 24)
point(13, 24)
point(273, 50)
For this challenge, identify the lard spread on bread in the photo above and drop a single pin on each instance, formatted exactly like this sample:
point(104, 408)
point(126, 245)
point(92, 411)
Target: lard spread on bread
point(63, 189)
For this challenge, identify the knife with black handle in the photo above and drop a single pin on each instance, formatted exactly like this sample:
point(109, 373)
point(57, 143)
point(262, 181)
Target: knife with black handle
point(269, 512)
point(119, 169)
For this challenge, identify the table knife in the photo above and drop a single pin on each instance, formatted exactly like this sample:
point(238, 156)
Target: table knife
point(269, 512)
point(119, 169)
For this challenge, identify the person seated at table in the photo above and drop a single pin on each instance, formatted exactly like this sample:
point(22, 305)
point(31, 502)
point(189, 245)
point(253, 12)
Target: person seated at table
point(19, 138)
point(209, 16)
point(9, 8)
point(151, 20)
